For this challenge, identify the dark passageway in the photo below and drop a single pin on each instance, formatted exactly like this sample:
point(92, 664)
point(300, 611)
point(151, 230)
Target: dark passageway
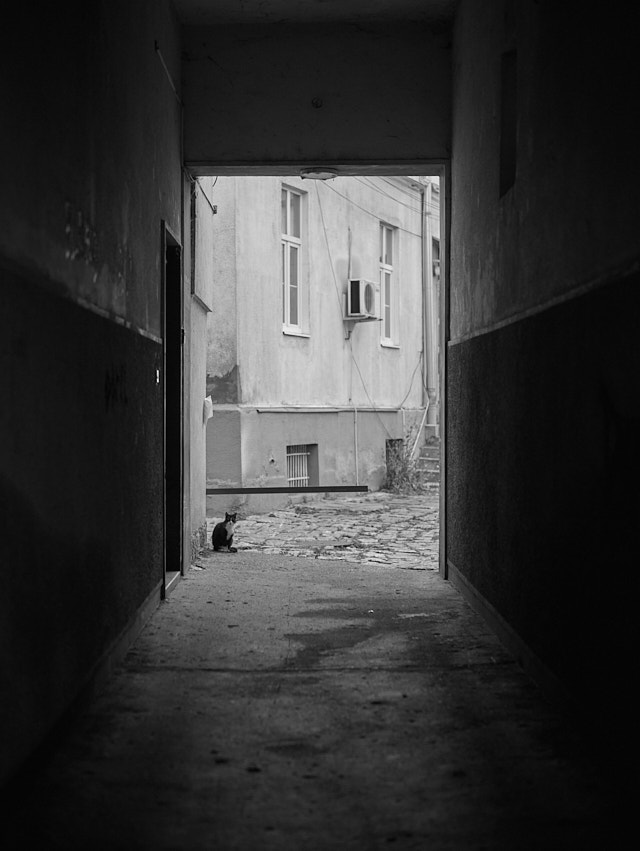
point(245, 711)
point(285, 703)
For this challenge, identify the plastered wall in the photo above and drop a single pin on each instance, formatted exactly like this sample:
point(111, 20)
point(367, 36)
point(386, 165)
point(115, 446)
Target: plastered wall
point(252, 444)
point(89, 166)
point(543, 378)
point(91, 154)
point(568, 222)
point(200, 301)
point(341, 237)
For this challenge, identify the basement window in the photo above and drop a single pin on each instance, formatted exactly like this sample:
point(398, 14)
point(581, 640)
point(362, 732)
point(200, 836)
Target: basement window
point(302, 465)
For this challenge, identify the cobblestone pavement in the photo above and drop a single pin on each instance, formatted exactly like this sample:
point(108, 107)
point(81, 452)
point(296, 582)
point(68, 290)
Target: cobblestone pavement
point(378, 528)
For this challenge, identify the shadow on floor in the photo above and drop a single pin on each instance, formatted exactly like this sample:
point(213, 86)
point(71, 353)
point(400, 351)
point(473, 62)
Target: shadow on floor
point(278, 704)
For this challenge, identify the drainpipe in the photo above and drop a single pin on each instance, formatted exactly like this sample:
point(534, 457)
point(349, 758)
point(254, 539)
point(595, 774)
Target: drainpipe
point(355, 410)
point(355, 439)
point(430, 313)
point(423, 272)
point(424, 280)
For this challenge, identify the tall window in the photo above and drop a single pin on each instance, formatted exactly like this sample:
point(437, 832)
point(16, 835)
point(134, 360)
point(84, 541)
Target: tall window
point(387, 282)
point(291, 204)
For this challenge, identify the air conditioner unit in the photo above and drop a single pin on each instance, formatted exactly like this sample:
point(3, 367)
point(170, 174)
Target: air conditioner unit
point(361, 299)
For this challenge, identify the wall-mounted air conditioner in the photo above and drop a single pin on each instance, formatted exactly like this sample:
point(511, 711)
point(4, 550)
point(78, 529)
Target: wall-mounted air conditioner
point(361, 299)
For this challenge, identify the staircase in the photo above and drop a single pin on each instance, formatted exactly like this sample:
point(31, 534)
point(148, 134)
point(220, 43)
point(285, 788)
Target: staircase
point(428, 461)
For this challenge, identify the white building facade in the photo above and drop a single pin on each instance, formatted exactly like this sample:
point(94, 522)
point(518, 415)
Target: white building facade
point(322, 341)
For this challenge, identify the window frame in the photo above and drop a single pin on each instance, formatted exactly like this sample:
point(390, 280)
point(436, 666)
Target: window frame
point(291, 244)
point(388, 294)
point(302, 465)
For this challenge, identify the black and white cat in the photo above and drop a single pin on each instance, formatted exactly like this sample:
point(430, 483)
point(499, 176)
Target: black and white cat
point(222, 536)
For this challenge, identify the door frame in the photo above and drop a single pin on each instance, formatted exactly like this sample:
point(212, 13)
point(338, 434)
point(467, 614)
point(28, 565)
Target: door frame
point(172, 274)
point(445, 335)
point(440, 168)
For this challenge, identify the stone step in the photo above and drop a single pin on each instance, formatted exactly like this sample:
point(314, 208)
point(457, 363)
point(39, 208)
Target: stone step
point(430, 452)
point(428, 468)
point(428, 462)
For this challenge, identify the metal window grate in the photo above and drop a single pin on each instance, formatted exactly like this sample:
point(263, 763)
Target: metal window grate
point(298, 465)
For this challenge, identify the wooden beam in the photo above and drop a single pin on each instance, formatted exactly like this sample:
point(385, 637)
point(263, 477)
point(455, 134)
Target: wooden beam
point(328, 489)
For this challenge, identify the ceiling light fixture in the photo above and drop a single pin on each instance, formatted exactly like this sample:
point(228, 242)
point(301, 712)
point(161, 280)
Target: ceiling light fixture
point(318, 173)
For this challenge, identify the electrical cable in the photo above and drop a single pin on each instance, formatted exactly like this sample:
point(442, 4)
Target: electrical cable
point(366, 182)
point(411, 382)
point(335, 283)
point(353, 358)
point(206, 197)
point(369, 213)
point(434, 183)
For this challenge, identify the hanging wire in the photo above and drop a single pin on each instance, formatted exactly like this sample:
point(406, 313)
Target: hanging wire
point(369, 212)
point(368, 182)
point(415, 369)
point(353, 358)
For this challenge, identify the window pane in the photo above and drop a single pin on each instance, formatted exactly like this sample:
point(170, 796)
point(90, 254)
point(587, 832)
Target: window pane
point(293, 285)
point(388, 246)
point(293, 305)
point(387, 305)
point(295, 215)
point(284, 283)
point(283, 209)
point(293, 265)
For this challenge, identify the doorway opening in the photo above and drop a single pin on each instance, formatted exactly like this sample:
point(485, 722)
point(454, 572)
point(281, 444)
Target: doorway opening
point(327, 333)
point(172, 337)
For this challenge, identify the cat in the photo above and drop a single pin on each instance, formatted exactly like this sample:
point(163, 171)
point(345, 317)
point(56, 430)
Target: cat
point(222, 536)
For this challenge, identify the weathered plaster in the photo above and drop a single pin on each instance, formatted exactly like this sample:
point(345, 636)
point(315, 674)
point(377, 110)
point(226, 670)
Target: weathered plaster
point(224, 389)
point(555, 231)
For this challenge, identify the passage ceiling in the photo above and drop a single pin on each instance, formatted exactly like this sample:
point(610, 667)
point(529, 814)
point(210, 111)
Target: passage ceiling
point(212, 12)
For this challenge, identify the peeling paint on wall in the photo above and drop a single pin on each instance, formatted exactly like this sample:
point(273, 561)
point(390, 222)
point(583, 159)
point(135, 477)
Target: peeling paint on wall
point(80, 236)
point(224, 389)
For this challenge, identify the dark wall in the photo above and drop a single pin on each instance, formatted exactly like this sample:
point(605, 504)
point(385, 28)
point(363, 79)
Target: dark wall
point(544, 498)
point(89, 167)
point(568, 219)
point(80, 491)
point(543, 378)
point(90, 150)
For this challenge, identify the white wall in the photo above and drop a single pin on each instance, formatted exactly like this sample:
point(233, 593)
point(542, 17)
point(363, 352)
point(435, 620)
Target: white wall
point(288, 383)
point(324, 368)
point(200, 298)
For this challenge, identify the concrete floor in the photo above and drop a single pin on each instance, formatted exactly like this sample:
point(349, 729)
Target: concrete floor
point(285, 704)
